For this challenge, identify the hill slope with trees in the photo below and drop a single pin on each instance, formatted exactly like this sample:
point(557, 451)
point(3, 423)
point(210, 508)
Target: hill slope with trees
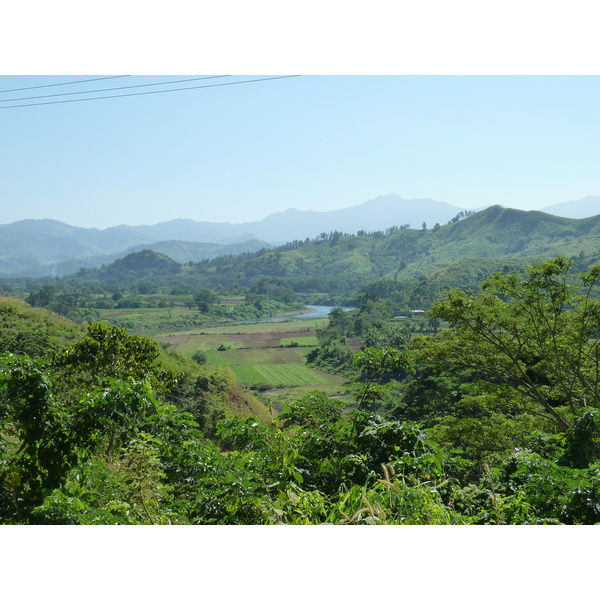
point(336, 263)
point(495, 420)
point(38, 247)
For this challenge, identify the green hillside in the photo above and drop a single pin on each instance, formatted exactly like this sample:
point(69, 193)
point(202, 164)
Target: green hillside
point(33, 331)
point(333, 267)
point(493, 233)
point(143, 262)
point(39, 333)
point(408, 254)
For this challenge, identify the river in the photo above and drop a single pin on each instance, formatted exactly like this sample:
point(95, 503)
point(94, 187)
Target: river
point(317, 312)
point(314, 311)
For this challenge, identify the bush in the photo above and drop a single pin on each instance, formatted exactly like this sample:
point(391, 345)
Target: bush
point(200, 356)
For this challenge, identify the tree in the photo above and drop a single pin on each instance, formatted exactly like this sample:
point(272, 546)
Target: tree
point(108, 351)
point(44, 451)
point(200, 356)
point(44, 297)
point(205, 300)
point(93, 401)
point(276, 288)
point(340, 319)
point(532, 334)
point(388, 335)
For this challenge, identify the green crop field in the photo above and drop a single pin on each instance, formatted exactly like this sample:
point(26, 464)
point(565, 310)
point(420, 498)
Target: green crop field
point(214, 358)
point(151, 321)
point(278, 375)
point(276, 326)
point(271, 354)
point(265, 356)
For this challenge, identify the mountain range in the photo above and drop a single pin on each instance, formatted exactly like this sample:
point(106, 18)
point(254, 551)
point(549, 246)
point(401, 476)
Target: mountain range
point(578, 209)
point(38, 247)
point(334, 267)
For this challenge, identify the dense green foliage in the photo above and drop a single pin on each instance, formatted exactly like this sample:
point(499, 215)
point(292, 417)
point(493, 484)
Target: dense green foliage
point(493, 418)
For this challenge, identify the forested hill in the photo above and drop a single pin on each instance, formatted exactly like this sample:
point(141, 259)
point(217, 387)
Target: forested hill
point(494, 233)
point(497, 232)
point(336, 263)
point(36, 248)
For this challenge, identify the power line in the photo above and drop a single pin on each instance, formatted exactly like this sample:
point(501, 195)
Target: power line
point(126, 87)
point(154, 92)
point(35, 87)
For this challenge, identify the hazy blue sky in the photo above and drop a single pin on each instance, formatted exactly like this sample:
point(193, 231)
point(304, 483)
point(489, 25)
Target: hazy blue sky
point(241, 152)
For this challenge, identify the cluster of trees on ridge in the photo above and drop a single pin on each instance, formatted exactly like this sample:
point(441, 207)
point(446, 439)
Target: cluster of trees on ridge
point(494, 420)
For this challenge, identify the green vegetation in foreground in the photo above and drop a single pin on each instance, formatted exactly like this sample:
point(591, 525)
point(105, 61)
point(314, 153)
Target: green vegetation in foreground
point(494, 420)
point(24, 330)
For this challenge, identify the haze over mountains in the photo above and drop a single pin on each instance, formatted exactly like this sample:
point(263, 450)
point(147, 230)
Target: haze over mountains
point(47, 247)
point(578, 209)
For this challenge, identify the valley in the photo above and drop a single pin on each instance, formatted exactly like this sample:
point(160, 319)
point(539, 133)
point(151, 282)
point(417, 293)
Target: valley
point(458, 385)
point(269, 358)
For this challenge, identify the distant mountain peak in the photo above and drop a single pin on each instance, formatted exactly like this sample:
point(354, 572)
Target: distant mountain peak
point(576, 209)
point(46, 242)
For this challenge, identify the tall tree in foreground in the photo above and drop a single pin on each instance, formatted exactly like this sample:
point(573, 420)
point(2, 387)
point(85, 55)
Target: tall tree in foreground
point(531, 334)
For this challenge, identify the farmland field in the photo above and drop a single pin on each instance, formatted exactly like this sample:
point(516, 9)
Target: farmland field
point(239, 336)
point(265, 356)
point(262, 354)
point(148, 320)
point(278, 375)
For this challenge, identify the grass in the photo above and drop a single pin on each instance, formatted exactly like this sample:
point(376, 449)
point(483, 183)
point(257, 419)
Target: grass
point(265, 356)
point(154, 320)
point(247, 328)
point(242, 336)
point(149, 320)
point(278, 375)
point(215, 359)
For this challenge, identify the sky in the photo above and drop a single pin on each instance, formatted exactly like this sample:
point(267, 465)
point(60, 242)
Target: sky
point(469, 115)
point(239, 152)
point(472, 104)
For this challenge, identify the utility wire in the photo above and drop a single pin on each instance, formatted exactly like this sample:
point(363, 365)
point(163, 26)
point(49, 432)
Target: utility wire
point(154, 92)
point(126, 87)
point(64, 83)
